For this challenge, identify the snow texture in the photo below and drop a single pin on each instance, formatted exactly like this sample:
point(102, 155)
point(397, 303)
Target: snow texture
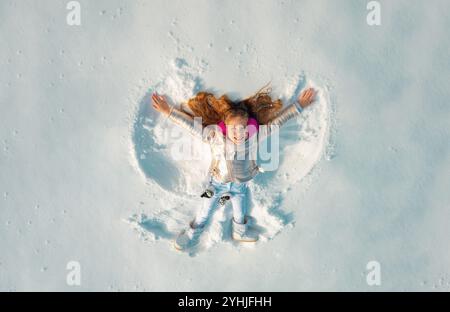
point(80, 151)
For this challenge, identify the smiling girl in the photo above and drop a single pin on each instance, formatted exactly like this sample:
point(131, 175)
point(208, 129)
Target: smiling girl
point(229, 128)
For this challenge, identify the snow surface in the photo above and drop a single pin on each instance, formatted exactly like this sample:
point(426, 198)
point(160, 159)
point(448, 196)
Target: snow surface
point(81, 152)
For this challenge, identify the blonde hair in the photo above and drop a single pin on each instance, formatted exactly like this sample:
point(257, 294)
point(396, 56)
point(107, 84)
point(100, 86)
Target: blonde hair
point(212, 110)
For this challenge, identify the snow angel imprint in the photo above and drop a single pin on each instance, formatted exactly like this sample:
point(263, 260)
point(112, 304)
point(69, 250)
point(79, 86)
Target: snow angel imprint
point(230, 128)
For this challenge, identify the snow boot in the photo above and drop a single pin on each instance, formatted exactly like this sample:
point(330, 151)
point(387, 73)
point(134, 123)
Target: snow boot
point(241, 233)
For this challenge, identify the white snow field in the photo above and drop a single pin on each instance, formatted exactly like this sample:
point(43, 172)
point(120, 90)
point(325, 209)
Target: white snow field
point(88, 180)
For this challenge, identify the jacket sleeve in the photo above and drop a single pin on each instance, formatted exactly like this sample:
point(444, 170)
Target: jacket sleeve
point(187, 122)
point(275, 123)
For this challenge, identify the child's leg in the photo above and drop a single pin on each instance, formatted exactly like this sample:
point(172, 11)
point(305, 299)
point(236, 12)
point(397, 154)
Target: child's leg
point(239, 200)
point(202, 216)
point(209, 204)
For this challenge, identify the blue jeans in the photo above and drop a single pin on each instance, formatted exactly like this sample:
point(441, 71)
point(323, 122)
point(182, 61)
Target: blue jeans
point(238, 196)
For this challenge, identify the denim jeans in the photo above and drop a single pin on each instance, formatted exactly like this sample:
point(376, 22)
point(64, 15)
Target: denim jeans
point(238, 196)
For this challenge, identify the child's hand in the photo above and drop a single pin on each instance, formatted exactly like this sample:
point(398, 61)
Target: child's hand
point(160, 104)
point(307, 97)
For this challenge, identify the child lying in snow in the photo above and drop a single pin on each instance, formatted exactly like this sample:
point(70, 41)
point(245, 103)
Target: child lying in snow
point(228, 127)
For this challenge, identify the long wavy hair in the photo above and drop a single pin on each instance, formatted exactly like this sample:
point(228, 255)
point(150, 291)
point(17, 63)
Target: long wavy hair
point(213, 110)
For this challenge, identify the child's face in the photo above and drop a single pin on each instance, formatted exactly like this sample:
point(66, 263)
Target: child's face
point(237, 129)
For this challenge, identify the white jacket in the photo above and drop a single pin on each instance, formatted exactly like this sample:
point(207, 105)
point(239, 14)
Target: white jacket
point(230, 162)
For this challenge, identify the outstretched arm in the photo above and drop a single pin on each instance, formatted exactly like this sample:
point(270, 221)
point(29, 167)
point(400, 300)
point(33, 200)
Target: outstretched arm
point(177, 116)
point(305, 99)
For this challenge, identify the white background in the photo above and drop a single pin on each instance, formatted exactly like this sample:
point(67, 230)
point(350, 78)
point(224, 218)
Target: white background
point(67, 101)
